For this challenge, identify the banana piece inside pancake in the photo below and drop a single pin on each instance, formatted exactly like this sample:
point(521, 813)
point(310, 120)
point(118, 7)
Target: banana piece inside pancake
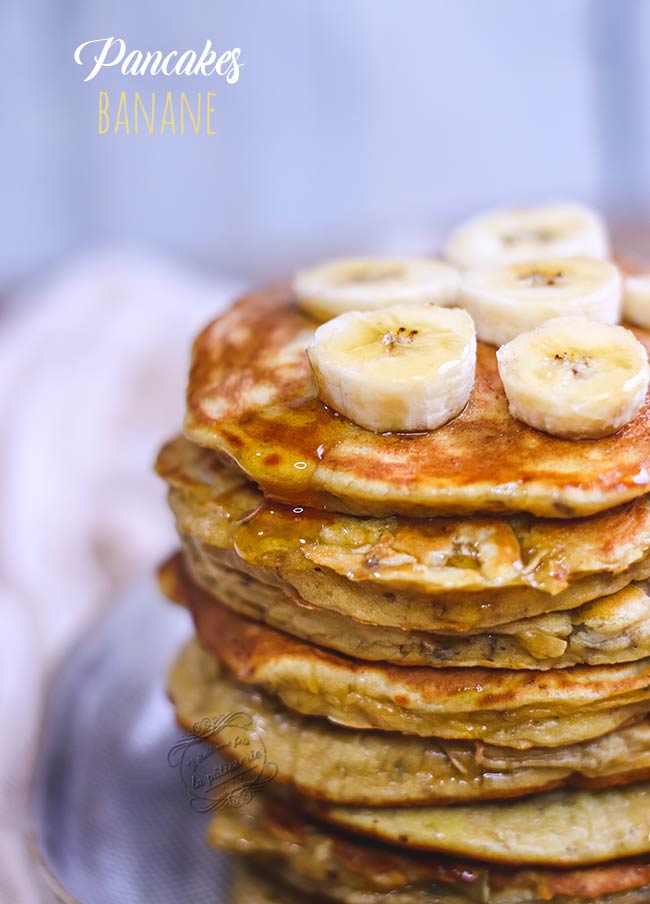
point(381, 768)
point(308, 858)
point(558, 828)
point(252, 397)
point(508, 708)
point(612, 629)
point(444, 575)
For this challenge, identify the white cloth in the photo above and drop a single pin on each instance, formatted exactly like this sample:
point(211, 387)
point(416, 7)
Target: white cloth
point(93, 365)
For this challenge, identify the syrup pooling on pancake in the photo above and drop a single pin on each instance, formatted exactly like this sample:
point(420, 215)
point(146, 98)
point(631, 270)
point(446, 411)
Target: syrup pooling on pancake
point(385, 571)
point(252, 396)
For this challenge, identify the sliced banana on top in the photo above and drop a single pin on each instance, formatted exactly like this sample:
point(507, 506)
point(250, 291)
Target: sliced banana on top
point(636, 299)
point(522, 234)
point(363, 284)
point(575, 378)
point(405, 368)
point(506, 301)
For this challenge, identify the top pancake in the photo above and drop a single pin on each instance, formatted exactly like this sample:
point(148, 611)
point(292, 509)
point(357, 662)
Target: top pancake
point(251, 395)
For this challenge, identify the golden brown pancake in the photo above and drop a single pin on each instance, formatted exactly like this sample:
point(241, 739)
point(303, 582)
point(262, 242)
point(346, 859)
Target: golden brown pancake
point(611, 629)
point(373, 768)
point(252, 397)
point(310, 858)
point(558, 828)
point(251, 885)
point(514, 709)
point(445, 575)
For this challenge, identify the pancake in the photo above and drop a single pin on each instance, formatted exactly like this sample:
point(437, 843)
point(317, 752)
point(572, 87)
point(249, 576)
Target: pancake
point(559, 828)
point(518, 709)
point(446, 575)
point(262, 888)
point(310, 858)
point(252, 397)
point(612, 629)
point(373, 768)
point(250, 886)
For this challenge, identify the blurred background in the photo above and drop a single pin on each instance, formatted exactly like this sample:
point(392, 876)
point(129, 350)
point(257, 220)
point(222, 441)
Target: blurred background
point(352, 124)
point(355, 126)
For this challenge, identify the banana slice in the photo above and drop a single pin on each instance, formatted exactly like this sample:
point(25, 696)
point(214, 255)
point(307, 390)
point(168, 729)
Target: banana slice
point(511, 236)
point(364, 284)
point(575, 378)
point(405, 368)
point(510, 300)
point(636, 299)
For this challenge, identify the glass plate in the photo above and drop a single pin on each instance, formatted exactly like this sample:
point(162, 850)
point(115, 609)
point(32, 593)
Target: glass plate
point(112, 819)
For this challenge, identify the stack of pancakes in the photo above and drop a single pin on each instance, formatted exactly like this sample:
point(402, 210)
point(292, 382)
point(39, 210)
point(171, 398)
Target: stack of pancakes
point(442, 639)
